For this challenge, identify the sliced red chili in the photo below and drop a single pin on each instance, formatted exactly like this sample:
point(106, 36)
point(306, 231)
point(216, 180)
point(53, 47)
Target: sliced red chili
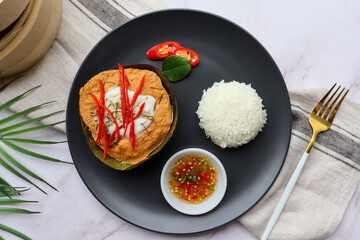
point(141, 108)
point(102, 98)
point(102, 92)
point(111, 139)
point(127, 105)
point(113, 136)
point(136, 94)
point(98, 139)
point(126, 122)
point(100, 117)
point(132, 131)
point(161, 50)
point(106, 144)
point(122, 92)
point(114, 120)
point(102, 128)
point(187, 53)
point(126, 82)
point(127, 125)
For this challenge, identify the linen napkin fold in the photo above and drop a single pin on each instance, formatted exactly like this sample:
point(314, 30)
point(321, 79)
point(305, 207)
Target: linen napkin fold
point(327, 181)
point(83, 24)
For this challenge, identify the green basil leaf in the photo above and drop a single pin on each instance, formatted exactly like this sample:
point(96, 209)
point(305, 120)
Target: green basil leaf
point(176, 68)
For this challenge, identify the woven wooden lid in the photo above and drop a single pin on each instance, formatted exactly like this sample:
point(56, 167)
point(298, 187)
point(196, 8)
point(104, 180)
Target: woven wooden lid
point(33, 39)
point(10, 32)
point(10, 10)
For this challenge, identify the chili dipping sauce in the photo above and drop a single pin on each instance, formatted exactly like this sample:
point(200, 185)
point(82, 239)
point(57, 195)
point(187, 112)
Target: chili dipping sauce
point(192, 178)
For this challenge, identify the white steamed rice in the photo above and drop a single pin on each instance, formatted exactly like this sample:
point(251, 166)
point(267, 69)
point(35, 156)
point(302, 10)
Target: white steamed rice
point(231, 113)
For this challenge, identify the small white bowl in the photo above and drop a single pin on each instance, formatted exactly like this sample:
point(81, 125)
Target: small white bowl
point(207, 204)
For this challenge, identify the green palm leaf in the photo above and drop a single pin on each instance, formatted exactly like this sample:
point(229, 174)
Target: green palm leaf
point(15, 210)
point(4, 193)
point(15, 167)
point(15, 99)
point(14, 201)
point(31, 129)
point(7, 190)
point(3, 182)
point(4, 189)
point(11, 193)
point(18, 174)
point(23, 168)
point(30, 153)
point(22, 113)
point(24, 140)
point(14, 232)
point(7, 84)
point(27, 122)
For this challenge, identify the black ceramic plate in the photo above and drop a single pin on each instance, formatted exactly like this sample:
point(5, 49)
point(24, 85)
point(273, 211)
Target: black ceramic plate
point(226, 52)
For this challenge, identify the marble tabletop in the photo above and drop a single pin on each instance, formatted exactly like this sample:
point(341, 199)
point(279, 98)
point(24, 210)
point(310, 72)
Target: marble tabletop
point(314, 43)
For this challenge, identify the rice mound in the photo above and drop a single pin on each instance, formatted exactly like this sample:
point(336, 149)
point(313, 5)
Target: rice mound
point(231, 113)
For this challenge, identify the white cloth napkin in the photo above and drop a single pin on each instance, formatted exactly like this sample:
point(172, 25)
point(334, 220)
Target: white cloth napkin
point(327, 181)
point(83, 24)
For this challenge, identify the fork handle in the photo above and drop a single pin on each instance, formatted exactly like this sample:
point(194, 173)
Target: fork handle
point(285, 196)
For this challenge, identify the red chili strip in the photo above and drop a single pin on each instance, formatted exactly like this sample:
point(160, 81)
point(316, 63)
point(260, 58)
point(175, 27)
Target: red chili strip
point(98, 139)
point(161, 51)
point(127, 84)
point(132, 132)
point(113, 136)
point(140, 111)
point(137, 114)
point(102, 92)
point(122, 92)
point(101, 125)
point(126, 126)
point(126, 123)
point(114, 120)
point(101, 122)
point(136, 94)
point(126, 107)
point(128, 119)
point(126, 80)
point(102, 97)
point(111, 139)
point(106, 144)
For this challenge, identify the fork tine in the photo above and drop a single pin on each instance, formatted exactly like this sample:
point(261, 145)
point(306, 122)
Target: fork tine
point(320, 103)
point(332, 104)
point(327, 102)
point(332, 115)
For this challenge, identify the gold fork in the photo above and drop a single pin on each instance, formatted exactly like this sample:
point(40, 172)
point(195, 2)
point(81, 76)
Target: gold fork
point(320, 120)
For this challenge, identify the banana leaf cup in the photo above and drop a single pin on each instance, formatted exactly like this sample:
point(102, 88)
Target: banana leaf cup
point(122, 165)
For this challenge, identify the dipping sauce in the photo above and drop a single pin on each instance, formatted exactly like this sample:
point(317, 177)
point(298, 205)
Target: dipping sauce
point(192, 178)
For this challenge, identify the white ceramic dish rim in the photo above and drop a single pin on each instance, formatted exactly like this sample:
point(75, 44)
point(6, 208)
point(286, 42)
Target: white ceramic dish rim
point(209, 204)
